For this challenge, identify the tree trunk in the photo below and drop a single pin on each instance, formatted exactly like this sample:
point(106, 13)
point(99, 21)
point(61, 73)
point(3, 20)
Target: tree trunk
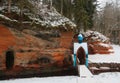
point(61, 11)
point(9, 6)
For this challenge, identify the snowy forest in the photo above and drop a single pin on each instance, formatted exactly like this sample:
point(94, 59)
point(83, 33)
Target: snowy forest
point(73, 41)
point(107, 21)
point(86, 14)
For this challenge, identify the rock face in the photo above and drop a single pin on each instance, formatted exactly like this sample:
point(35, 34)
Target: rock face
point(100, 48)
point(38, 40)
point(29, 51)
point(6, 42)
point(97, 43)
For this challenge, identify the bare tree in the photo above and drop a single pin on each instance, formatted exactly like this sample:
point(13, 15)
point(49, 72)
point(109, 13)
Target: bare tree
point(107, 21)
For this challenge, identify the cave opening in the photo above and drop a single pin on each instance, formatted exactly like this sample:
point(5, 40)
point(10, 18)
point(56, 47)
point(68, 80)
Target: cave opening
point(9, 59)
point(81, 55)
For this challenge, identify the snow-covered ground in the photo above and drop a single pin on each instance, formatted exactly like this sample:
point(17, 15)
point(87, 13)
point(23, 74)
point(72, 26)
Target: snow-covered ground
point(106, 58)
point(101, 78)
point(110, 77)
point(65, 79)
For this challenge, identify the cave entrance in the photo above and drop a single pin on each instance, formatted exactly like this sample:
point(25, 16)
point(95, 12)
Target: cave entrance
point(9, 59)
point(81, 55)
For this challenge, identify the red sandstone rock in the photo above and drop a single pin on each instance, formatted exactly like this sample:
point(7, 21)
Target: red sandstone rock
point(97, 43)
point(100, 48)
point(7, 40)
point(30, 51)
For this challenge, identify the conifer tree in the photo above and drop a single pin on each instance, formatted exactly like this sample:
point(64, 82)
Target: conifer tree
point(64, 7)
point(83, 13)
point(79, 11)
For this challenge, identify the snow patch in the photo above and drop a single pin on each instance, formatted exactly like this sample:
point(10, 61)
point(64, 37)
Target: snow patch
point(110, 77)
point(104, 45)
point(95, 36)
point(65, 79)
point(107, 58)
point(105, 68)
point(44, 16)
point(4, 17)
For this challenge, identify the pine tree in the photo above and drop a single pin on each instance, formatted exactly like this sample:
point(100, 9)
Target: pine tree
point(90, 8)
point(79, 11)
point(83, 13)
point(22, 4)
point(64, 7)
